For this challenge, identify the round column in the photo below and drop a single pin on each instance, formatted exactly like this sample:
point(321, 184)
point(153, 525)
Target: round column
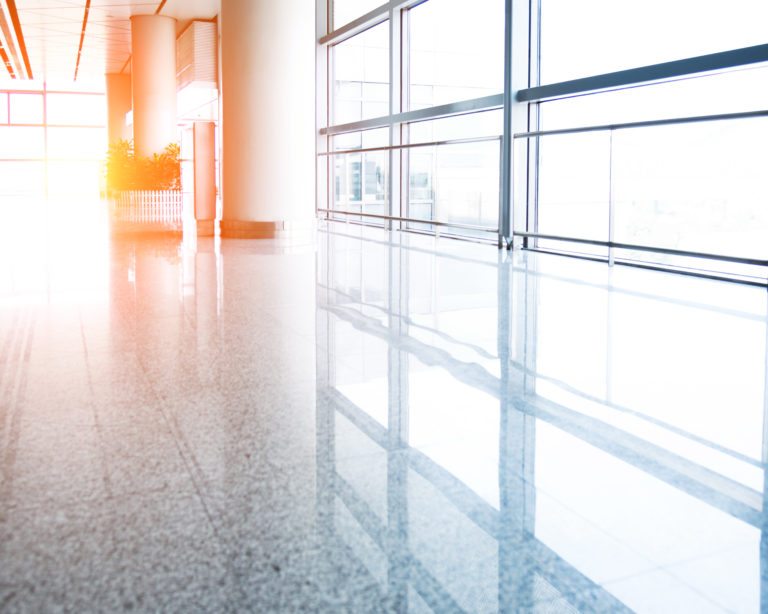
point(268, 118)
point(153, 78)
point(118, 105)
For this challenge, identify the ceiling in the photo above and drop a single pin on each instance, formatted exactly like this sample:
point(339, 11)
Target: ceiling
point(52, 32)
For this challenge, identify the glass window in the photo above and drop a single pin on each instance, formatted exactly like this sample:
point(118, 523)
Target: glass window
point(471, 125)
point(698, 187)
point(574, 188)
point(345, 11)
point(76, 143)
point(378, 137)
point(26, 109)
point(88, 110)
point(74, 177)
point(456, 183)
point(3, 108)
point(599, 36)
point(361, 76)
point(22, 142)
point(360, 183)
point(456, 51)
point(22, 177)
point(734, 91)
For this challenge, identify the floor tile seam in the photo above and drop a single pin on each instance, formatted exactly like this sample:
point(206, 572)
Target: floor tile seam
point(680, 581)
point(11, 418)
point(735, 546)
point(191, 465)
point(595, 527)
point(87, 503)
point(5, 348)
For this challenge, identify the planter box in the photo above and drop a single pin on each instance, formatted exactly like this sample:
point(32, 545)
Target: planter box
point(147, 210)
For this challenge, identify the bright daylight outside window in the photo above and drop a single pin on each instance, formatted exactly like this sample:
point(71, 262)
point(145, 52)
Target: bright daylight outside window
point(441, 56)
point(691, 187)
point(50, 141)
point(618, 166)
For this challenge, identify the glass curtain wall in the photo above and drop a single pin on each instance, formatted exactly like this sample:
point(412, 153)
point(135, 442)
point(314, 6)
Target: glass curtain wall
point(411, 136)
point(649, 154)
point(51, 141)
point(552, 125)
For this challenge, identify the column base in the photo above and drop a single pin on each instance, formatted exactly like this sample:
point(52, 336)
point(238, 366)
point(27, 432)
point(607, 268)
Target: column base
point(206, 228)
point(292, 232)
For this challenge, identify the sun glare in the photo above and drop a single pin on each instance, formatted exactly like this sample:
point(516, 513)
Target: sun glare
point(51, 141)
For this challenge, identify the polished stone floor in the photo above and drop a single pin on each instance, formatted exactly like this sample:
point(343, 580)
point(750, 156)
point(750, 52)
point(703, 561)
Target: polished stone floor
point(374, 423)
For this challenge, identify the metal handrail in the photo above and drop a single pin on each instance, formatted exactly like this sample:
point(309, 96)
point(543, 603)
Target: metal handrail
point(645, 124)
point(483, 139)
point(652, 72)
point(395, 218)
point(644, 248)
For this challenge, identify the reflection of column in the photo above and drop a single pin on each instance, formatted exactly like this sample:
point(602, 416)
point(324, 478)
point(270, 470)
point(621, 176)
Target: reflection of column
point(268, 118)
point(205, 177)
point(764, 534)
point(517, 440)
point(153, 74)
point(325, 412)
point(118, 104)
point(397, 433)
point(763, 563)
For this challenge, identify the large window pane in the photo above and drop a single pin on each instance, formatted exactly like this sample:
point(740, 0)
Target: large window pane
point(361, 76)
point(83, 109)
point(598, 36)
point(22, 177)
point(574, 187)
point(74, 177)
point(3, 108)
point(345, 11)
point(699, 187)
point(26, 109)
point(456, 51)
point(734, 91)
point(378, 137)
point(22, 142)
point(76, 143)
point(456, 183)
point(472, 125)
point(360, 182)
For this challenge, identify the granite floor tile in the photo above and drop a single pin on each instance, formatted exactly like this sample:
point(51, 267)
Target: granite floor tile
point(233, 426)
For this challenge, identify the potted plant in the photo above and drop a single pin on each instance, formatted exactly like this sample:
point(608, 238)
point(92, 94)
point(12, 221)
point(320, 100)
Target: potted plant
point(144, 190)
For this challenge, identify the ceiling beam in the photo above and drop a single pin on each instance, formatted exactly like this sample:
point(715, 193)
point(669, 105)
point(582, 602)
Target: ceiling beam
point(12, 39)
point(82, 36)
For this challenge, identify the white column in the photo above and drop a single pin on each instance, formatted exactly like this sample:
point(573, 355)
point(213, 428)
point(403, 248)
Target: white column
point(268, 118)
point(205, 177)
point(118, 105)
point(153, 72)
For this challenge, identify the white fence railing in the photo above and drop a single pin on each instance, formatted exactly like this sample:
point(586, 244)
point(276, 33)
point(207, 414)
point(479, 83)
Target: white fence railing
point(149, 207)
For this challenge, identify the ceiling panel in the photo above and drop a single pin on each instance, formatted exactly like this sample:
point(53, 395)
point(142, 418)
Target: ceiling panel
point(52, 30)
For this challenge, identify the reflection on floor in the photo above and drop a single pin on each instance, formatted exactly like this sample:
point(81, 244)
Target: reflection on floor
point(377, 423)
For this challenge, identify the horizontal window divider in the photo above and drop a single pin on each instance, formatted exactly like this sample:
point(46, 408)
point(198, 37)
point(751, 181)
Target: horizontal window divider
point(41, 92)
point(473, 105)
point(12, 125)
point(484, 139)
point(414, 220)
point(652, 72)
point(734, 278)
point(645, 248)
point(362, 23)
point(41, 160)
point(645, 124)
